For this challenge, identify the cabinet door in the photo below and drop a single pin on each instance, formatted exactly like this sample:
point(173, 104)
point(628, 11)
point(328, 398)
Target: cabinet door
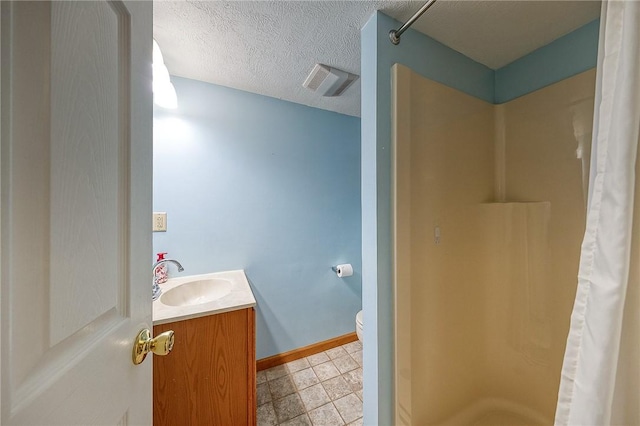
point(209, 377)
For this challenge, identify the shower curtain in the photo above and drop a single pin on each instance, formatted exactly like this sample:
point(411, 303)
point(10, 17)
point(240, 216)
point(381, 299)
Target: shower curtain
point(599, 383)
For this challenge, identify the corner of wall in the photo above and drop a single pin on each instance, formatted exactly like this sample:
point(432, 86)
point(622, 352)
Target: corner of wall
point(563, 58)
point(368, 82)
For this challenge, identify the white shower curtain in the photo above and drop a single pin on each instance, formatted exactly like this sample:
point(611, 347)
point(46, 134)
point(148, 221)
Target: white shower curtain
point(600, 382)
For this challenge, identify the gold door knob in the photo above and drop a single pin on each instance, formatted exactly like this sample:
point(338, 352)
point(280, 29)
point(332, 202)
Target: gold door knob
point(160, 345)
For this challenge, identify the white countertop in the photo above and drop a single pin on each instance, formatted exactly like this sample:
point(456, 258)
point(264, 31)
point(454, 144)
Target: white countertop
point(240, 297)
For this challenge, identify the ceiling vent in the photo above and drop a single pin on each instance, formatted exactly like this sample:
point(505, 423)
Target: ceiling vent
point(329, 81)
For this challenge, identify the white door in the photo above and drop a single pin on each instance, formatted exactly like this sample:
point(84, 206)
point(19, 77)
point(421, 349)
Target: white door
point(75, 197)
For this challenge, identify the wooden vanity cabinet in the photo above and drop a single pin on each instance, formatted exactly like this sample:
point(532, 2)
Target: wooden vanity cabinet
point(210, 376)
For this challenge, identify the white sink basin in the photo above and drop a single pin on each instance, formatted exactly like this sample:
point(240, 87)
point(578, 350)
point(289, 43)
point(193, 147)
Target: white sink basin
point(196, 296)
point(198, 292)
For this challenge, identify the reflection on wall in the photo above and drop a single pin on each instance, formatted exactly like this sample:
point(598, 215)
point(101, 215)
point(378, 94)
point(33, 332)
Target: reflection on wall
point(489, 220)
point(548, 134)
point(517, 245)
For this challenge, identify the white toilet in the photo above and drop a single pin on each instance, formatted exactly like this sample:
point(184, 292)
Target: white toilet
point(359, 325)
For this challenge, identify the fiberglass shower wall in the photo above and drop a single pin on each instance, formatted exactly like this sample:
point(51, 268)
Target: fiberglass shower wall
point(489, 205)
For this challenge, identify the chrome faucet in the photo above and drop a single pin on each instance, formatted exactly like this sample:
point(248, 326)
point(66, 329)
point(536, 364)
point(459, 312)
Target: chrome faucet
point(156, 291)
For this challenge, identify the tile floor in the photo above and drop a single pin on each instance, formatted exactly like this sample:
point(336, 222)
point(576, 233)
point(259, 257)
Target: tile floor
point(322, 389)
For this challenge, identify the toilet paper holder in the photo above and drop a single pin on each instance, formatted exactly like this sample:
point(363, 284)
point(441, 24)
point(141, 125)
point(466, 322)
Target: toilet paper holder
point(343, 271)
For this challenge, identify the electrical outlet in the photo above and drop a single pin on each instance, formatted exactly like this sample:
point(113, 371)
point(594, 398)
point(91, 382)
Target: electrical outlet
point(159, 221)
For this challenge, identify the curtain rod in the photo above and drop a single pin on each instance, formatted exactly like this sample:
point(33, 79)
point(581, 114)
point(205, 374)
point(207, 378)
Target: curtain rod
point(394, 35)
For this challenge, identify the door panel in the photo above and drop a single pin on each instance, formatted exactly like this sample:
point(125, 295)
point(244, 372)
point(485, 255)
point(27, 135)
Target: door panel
point(88, 214)
point(75, 166)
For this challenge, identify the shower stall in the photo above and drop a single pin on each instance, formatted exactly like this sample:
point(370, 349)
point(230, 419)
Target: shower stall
point(489, 214)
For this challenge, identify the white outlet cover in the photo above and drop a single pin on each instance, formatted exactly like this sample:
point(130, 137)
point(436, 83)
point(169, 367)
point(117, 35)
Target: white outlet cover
point(159, 221)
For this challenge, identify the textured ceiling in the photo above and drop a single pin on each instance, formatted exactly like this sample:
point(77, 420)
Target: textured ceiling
point(269, 47)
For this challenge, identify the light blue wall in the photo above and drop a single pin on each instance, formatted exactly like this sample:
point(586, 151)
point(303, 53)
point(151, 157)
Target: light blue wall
point(255, 183)
point(436, 62)
point(565, 57)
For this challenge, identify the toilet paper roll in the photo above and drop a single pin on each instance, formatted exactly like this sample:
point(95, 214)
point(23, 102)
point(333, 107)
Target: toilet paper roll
point(345, 270)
